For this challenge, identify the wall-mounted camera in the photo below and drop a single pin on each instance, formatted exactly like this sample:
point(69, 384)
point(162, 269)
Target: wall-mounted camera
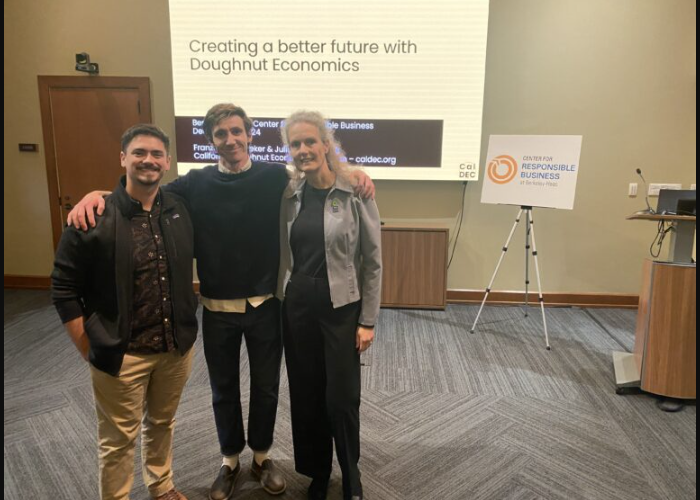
point(82, 63)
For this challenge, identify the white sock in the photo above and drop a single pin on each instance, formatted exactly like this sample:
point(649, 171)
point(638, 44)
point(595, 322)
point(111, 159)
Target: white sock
point(231, 461)
point(260, 456)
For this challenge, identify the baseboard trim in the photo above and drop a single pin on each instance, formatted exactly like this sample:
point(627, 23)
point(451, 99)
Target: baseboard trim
point(27, 282)
point(43, 282)
point(627, 301)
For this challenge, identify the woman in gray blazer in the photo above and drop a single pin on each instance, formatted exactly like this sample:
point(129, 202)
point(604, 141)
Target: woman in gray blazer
point(330, 282)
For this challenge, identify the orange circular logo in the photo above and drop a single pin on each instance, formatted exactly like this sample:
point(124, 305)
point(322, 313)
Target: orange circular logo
point(495, 170)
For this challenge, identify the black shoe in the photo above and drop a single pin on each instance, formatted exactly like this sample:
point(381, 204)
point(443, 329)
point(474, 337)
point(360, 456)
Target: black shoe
point(352, 492)
point(318, 489)
point(223, 486)
point(270, 478)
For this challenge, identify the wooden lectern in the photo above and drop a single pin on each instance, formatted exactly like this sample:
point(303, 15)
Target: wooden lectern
point(664, 360)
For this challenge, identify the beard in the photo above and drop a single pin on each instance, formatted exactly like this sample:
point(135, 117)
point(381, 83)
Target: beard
point(140, 177)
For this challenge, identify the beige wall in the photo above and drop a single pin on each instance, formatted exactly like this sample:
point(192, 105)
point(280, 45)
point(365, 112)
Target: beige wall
point(621, 73)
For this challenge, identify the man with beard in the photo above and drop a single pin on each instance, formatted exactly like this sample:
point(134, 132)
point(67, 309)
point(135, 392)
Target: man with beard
point(124, 293)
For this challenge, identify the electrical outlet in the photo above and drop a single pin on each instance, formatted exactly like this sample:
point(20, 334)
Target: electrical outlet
point(692, 187)
point(633, 189)
point(655, 188)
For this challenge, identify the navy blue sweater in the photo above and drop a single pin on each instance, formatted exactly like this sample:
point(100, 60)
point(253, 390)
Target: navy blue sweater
point(236, 228)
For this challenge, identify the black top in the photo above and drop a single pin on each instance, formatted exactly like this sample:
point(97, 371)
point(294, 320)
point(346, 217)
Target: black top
point(307, 238)
point(236, 228)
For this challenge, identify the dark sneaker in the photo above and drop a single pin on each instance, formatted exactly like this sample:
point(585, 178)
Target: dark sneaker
point(222, 489)
point(270, 478)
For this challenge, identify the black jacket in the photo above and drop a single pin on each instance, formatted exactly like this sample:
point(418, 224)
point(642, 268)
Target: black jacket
point(93, 277)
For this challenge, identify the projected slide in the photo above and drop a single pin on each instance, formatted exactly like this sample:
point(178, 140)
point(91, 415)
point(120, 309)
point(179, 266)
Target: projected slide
point(401, 82)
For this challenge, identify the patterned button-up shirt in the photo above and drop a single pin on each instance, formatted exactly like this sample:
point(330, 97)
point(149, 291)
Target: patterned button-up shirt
point(151, 326)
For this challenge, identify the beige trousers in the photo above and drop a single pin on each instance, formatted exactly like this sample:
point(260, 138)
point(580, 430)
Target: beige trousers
point(146, 392)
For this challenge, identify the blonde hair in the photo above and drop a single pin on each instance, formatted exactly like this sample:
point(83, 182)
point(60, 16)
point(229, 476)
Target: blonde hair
point(337, 162)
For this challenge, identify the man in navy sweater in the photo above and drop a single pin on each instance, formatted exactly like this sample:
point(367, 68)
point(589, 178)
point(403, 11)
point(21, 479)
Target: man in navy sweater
point(235, 209)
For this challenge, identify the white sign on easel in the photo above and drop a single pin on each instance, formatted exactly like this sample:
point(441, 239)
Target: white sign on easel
point(532, 170)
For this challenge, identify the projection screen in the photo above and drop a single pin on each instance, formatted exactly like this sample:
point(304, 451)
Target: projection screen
point(401, 82)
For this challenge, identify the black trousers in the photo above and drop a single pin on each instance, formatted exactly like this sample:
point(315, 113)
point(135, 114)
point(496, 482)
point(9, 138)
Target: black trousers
point(223, 333)
point(324, 380)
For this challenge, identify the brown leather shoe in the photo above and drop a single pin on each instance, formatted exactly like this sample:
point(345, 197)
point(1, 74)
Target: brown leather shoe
point(171, 495)
point(270, 478)
point(225, 482)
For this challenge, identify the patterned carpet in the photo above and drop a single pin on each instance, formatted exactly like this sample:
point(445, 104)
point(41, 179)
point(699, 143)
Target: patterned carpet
point(445, 414)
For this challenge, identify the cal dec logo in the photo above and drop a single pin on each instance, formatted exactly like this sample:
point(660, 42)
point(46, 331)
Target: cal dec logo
point(502, 169)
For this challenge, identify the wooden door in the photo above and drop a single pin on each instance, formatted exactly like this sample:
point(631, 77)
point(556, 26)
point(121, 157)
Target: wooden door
point(83, 119)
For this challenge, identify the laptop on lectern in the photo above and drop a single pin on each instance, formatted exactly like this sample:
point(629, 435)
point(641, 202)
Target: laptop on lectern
point(676, 202)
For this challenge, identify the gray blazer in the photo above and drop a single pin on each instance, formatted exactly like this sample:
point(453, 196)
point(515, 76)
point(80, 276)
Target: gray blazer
point(353, 247)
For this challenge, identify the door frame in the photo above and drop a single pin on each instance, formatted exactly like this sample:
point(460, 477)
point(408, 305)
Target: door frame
point(46, 84)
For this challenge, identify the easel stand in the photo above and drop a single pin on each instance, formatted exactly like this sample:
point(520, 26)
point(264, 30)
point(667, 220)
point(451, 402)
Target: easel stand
point(529, 233)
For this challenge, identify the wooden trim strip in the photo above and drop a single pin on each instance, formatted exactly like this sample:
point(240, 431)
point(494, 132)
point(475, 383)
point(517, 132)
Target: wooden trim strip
point(27, 282)
point(627, 301)
point(44, 282)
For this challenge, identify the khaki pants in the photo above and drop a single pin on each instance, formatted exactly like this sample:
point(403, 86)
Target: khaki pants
point(147, 390)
